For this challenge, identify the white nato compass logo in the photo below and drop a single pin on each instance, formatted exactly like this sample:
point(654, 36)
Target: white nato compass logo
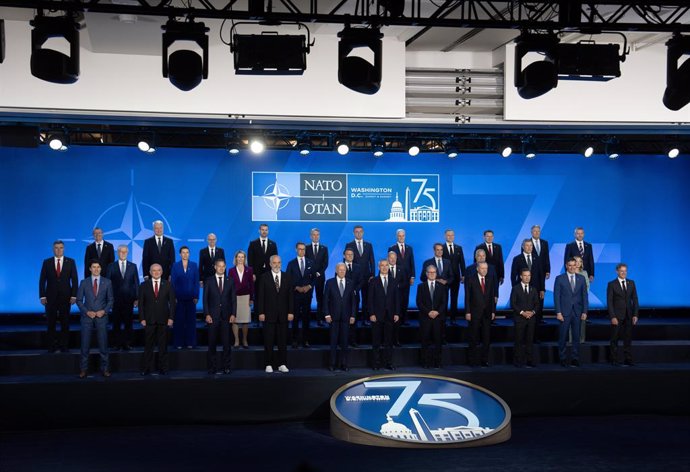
point(276, 196)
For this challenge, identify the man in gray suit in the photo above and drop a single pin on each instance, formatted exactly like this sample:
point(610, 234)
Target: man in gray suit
point(95, 300)
point(571, 304)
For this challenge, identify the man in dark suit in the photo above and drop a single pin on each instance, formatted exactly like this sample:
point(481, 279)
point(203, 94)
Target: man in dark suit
point(444, 271)
point(208, 257)
point(541, 249)
point(524, 301)
point(158, 249)
point(405, 258)
point(100, 250)
point(318, 253)
point(432, 302)
point(156, 315)
point(353, 273)
point(399, 274)
point(480, 307)
point(471, 270)
point(363, 252)
point(220, 308)
point(275, 306)
point(571, 304)
point(340, 306)
point(494, 254)
point(581, 248)
point(384, 309)
point(623, 308)
point(259, 255)
point(125, 279)
point(95, 300)
point(57, 289)
point(453, 252)
point(301, 270)
point(527, 260)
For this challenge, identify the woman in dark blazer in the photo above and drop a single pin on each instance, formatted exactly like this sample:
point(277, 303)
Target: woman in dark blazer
point(185, 281)
point(243, 276)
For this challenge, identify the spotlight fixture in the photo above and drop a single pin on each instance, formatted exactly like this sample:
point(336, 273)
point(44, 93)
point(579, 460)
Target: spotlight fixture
point(529, 148)
point(185, 68)
point(378, 150)
point(48, 64)
point(304, 146)
point(270, 53)
point(587, 149)
point(145, 144)
point(378, 145)
point(355, 72)
point(343, 146)
point(677, 93)
point(58, 141)
point(257, 146)
point(451, 150)
point(233, 146)
point(538, 77)
point(673, 152)
point(413, 148)
point(506, 148)
point(613, 149)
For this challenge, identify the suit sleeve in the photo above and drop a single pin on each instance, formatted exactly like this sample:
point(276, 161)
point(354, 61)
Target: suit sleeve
point(590, 257)
point(585, 295)
point(80, 299)
point(370, 297)
point(142, 303)
point(636, 303)
point(171, 253)
point(500, 267)
point(444, 303)
point(136, 280)
point(371, 262)
point(557, 295)
point(259, 301)
point(146, 259)
point(451, 277)
point(109, 298)
point(609, 300)
point(201, 265)
point(173, 302)
point(422, 275)
point(514, 302)
point(412, 265)
point(325, 260)
point(42, 280)
point(233, 298)
point(514, 277)
point(196, 291)
point(468, 289)
point(326, 298)
point(74, 278)
point(204, 301)
point(461, 261)
point(86, 262)
point(291, 298)
point(420, 301)
point(547, 260)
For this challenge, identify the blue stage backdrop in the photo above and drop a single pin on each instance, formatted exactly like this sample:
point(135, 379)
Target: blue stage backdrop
point(634, 209)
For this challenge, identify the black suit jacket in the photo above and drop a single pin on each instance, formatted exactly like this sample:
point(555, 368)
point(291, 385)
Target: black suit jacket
point(457, 261)
point(622, 304)
point(219, 305)
point(366, 260)
point(471, 271)
point(519, 301)
point(383, 304)
point(276, 305)
point(124, 289)
point(56, 289)
point(571, 250)
point(207, 263)
point(355, 275)
point(299, 280)
point(425, 304)
point(156, 310)
point(166, 256)
point(407, 262)
point(320, 260)
point(339, 308)
point(476, 302)
point(402, 277)
point(496, 259)
point(544, 256)
point(107, 257)
point(259, 261)
point(446, 274)
point(520, 263)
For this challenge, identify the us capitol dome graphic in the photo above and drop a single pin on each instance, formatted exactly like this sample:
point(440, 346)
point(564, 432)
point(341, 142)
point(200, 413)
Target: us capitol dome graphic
point(424, 433)
point(422, 213)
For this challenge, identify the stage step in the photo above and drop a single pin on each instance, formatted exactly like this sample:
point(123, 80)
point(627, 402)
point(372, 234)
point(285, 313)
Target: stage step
point(32, 362)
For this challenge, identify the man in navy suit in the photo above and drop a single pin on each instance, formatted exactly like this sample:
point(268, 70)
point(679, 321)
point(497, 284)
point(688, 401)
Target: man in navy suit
point(57, 289)
point(524, 301)
point(405, 258)
point(384, 312)
point(453, 252)
point(95, 300)
point(494, 254)
point(432, 302)
point(471, 270)
point(259, 253)
point(301, 270)
point(400, 275)
point(156, 314)
point(581, 248)
point(444, 270)
point(125, 279)
point(480, 311)
point(541, 249)
point(528, 260)
point(100, 250)
point(340, 306)
point(353, 272)
point(220, 308)
point(571, 305)
point(158, 249)
point(364, 256)
point(318, 253)
point(208, 257)
point(623, 308)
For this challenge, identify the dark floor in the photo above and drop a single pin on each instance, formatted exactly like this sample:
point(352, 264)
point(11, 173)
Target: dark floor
point(583, 444)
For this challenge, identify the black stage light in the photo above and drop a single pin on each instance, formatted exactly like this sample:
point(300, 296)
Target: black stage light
point(589, 61)
point(304, 145)
point(394, 8)
point(58, 141)
point(48, 64)
point(541, 76)
point(613, 149)
point(270, 54)
point(185, 68)
point(2, 41)
point(677, 93)
point(354, 72)
point(529, 148)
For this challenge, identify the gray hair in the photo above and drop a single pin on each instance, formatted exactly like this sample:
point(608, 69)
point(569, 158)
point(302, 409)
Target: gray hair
point(157, 222)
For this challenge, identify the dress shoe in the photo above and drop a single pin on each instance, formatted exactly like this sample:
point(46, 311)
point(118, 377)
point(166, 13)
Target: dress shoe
point(283, 368)
point(629, 363)
point(354, 344)
point(530, 365)
point(344, 368)
point(331, 368)
point(294, 345)
point(615, 363)
point(518, 365)
point(564, 364)
point(236, 346)
point(226, 371)
point(307, 345)
point(52, 350)
point(575, 363)
point(269, 369)
point(144, 373)
point(106, 373)
point(163, 372)
point(82, 374)
point(376, 367)
point(245, 346)
point(126, 347)
point(64, 350)
point(485, 364)
point(390, 367)
point(211, 371)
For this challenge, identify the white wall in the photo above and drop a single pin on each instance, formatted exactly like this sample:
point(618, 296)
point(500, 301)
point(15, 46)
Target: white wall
point(134, 83)
point(635, 96)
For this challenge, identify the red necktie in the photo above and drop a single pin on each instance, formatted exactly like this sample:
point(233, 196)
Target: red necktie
point(491, 253)
point(483, 286)
point(58, 270)
point(95, 287)
point(155, 289)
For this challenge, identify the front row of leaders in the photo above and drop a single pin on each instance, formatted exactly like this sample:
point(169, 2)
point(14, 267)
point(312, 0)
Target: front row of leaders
point(275, 305)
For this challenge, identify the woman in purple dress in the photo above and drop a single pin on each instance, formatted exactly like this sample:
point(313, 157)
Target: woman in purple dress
point(243, 276)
